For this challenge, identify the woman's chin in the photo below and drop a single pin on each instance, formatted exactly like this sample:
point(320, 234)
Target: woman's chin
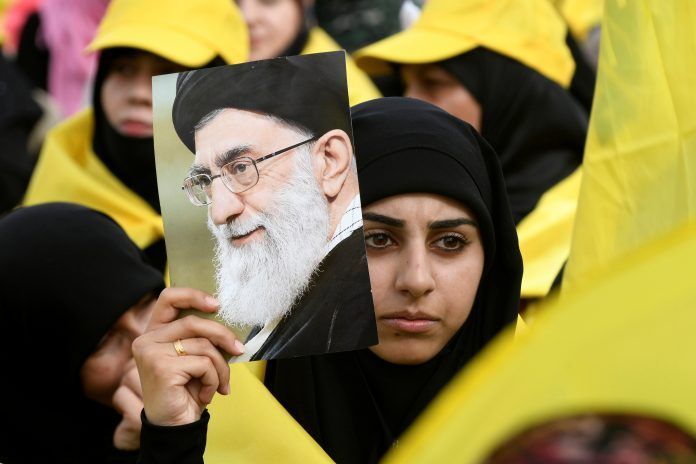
point(405, 353)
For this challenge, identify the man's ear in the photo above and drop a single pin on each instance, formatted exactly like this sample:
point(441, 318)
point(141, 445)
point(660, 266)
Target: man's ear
point(333, 155)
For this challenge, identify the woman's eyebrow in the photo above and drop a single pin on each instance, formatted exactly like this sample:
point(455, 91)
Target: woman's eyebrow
point(450, 223)
point(390, 221)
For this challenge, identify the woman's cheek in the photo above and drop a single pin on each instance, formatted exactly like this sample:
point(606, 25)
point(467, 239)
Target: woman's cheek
point(101, 373)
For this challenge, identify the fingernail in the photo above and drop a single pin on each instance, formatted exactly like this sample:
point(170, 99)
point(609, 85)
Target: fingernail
point(239, 346)
point(212, 301)
point(227, 389)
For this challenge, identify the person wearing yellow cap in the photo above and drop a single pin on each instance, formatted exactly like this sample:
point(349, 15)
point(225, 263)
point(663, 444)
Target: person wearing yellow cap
point(504, 67)
point(104, 157)
point(286, 27)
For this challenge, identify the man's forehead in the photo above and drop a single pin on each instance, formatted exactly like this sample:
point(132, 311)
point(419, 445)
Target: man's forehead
point(233, 127)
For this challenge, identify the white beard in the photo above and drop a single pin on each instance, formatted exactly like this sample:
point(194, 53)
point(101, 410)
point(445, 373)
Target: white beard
point(259, 281)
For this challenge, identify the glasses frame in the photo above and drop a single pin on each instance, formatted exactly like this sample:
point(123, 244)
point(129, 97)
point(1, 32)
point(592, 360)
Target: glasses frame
point(254, 162)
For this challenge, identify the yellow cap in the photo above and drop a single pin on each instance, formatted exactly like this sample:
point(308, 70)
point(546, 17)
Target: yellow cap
point(529, 31)
point(188, 32)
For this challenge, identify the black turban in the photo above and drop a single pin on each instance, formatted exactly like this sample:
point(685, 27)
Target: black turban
point(355, 404)
point(309, 92)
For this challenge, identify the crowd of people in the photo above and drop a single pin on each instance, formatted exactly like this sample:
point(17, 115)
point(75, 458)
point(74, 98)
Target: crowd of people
point(470, 138)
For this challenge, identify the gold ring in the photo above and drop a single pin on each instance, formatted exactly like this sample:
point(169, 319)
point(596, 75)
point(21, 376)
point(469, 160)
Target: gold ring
point(179, 348)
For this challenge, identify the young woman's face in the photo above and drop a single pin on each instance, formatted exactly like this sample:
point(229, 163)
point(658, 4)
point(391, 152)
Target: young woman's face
point(126, 94)
point(426, 258)
point(435, 85)
point(273, 25)
point(102, 372)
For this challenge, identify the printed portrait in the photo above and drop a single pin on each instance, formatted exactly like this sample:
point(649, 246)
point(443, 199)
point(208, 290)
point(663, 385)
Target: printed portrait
point(261, 205)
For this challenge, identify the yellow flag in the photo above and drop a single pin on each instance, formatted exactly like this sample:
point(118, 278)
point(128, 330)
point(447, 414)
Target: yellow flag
point(639, 172)
point(250, 426)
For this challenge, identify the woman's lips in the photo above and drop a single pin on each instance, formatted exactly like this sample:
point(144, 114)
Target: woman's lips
point(134, 128)
point(411, 322)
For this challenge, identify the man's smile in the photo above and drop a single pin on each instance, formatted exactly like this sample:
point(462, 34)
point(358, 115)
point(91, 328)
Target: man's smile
point(247, 237)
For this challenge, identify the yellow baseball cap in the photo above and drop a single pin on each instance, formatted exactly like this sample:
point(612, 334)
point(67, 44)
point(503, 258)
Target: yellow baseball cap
point(529, 31)
point(188, 32)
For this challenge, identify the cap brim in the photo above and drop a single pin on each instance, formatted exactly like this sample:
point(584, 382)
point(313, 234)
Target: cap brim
point(159, 40)
point(417, 45)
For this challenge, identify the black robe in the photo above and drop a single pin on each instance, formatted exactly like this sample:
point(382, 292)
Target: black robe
point(336, 312)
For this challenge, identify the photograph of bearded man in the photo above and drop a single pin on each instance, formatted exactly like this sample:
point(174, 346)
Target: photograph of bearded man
point(273, 164)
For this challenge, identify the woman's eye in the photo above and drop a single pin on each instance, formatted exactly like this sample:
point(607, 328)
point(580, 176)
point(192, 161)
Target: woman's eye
point(124, 68)
point(378, 240)
point(451, 242)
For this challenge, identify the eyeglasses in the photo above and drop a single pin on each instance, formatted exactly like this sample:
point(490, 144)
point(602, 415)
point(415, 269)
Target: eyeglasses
point(238, 176)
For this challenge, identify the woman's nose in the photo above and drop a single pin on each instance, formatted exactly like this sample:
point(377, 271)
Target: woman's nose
point(415, 275)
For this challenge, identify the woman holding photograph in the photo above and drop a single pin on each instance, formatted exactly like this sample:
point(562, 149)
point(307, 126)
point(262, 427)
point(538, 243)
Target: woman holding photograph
point(74, 298)
point(104, 157)
point(445, 271)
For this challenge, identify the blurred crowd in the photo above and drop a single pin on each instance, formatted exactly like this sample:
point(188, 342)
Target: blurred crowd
point(578, 132)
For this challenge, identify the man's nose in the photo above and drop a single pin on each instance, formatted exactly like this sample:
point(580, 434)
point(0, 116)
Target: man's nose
point(226, 205)
point(414, 276)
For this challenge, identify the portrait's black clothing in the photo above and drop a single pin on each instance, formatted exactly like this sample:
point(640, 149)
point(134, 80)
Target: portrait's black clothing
point(334, 314)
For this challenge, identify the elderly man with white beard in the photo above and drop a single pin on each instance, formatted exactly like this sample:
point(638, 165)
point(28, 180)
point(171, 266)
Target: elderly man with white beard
point(274, 165)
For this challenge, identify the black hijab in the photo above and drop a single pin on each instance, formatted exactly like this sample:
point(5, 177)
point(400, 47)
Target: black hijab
point(355, 404)
point(130, 159)
point(536, 127)
point(67, 274)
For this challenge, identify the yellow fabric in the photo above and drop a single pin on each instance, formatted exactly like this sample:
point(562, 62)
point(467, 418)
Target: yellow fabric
point(624, 344)
point(250, 426)
point(520, 327)
point(530, 31)
point(187, 32)
point(545, 235)
point(68, 170)
point(639, 174)
point(360, 87)
point(582, 15)
point(3, 6)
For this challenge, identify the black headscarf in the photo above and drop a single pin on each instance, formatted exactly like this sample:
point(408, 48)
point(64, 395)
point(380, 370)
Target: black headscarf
point(67, 273)
point(355, 404)
point(536, 127)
